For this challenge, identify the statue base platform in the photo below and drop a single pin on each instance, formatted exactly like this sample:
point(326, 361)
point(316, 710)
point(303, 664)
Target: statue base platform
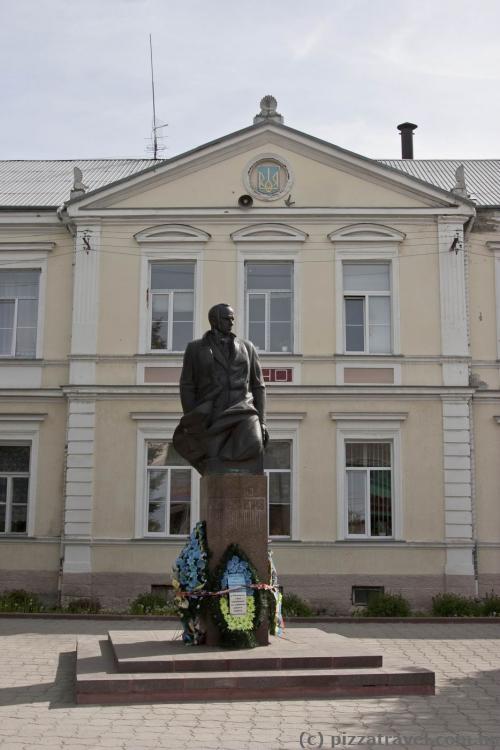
point(149, 666)
point(234, 508)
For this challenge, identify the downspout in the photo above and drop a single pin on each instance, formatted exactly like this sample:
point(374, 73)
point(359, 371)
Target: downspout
point(475, 550)
point(63, 218)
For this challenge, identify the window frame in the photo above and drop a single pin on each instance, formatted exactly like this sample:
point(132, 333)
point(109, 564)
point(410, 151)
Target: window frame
point(24, 429)
point(266, 293)
point(176, 243)
point(367, 243)
point(155, 427)
point(31, 260)
point(286, 426)
point(369, 428)
point(270, 242)
point(366, 296)
point(367, 471)
point(290, 471)
point(10, 475)
point(170, 293)
point(168, 468)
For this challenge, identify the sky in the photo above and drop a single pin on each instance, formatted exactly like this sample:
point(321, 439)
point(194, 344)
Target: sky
point(75, 75)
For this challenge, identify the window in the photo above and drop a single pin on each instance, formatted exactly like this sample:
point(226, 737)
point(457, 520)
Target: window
point(19, 291)
point(368, 469)
point(168, 490)
point(278, 470)
point(14, 488)
point(367, 307)
point(172, 305)
point(269, 305)
point(363, 595)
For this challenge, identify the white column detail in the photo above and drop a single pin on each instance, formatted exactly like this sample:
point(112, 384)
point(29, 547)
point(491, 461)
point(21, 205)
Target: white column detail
point(79, 489)
point(494, 246)
point(453, 299)
point(457, 487)
point(85, 304)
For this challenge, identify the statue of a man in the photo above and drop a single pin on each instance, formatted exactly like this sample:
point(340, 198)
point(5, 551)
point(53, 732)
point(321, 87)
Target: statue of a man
point(223, 398)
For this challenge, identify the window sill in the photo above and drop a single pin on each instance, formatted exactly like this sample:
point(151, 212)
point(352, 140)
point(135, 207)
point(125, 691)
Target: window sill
point(370, 540)
point(7, 359)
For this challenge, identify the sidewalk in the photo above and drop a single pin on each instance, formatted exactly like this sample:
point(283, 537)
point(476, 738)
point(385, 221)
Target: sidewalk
point(37, 709)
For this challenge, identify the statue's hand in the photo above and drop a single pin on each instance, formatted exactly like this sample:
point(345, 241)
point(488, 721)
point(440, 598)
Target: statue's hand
point(265, 434)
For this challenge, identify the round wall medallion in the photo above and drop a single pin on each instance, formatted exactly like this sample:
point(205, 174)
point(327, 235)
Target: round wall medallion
point(268, 177)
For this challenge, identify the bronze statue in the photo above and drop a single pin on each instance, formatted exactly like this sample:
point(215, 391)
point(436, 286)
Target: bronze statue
point(223, 398)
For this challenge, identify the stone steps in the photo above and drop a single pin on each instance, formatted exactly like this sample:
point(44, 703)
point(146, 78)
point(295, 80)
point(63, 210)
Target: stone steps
point(207, 673)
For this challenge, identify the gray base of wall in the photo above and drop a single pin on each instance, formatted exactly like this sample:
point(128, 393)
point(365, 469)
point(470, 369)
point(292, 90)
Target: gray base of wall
point(334, 593)
point(43, 583)
point(329, 593)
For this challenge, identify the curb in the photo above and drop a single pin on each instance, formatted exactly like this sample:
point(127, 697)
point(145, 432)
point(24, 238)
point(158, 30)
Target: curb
point(325, 619)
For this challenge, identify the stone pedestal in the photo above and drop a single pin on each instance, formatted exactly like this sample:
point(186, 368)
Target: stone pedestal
point(234, 507)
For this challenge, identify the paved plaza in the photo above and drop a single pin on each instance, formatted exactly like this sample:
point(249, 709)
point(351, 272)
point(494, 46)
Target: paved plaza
point(37, 709)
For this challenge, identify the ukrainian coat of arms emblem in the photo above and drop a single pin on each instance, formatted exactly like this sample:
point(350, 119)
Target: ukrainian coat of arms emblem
point(268, 177)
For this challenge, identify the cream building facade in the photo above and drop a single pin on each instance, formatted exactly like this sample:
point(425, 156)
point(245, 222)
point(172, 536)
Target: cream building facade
point(374, 298)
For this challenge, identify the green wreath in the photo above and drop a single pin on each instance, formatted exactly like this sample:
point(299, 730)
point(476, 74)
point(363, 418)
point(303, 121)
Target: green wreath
point(237, 631)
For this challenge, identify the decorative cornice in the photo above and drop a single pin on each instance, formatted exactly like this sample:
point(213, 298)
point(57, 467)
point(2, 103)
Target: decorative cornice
point(172, 233)
point(366, 233)
point(365, 416)
point(269, 233)
point(22, 417)
point(44, 247)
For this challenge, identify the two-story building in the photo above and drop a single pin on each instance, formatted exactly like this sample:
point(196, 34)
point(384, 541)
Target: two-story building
point(372, 290)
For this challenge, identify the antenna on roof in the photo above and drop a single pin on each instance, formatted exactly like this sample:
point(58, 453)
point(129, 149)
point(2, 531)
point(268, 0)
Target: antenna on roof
point(155, 146)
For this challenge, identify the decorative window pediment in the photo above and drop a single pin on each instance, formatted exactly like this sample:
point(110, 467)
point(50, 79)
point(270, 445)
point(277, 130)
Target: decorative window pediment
point(366, 233)
point(172, 233)
point(269, 233)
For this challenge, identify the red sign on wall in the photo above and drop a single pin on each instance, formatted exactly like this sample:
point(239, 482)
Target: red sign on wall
point(278, 374)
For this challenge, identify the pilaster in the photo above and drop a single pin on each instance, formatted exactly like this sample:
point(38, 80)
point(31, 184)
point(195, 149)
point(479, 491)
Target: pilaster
point(453, 301)
point(85, 304)
point(457, 487)
point(79, 488)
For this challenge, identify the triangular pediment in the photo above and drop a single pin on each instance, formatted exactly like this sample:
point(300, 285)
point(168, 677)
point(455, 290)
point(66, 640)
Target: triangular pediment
point(321, 175)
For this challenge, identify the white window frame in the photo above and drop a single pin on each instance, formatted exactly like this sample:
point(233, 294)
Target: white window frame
point(169, 243)
point(157, 426)
point(31, 256)
point(170, 293)
point(367, 471)
point(267, 472)
point(369, 428)
point(270, 242)
point(9, 476)
point(366, 296)
point(286, 426)
point(24, 429)
point(366, 243)
point(266, 293)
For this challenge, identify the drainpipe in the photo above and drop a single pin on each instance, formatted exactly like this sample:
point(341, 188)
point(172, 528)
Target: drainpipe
point(475, 550)
point(63, 218)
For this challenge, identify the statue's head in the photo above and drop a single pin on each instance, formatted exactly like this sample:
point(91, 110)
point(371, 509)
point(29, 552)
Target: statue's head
point(221, 317)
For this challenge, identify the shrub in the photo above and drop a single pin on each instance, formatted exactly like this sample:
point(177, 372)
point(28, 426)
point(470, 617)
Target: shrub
point(490, 606)
point(152, 604)
point(294, 606)
point(84, 606)
point(455, 605)
point(19, 600)
point(387, 605)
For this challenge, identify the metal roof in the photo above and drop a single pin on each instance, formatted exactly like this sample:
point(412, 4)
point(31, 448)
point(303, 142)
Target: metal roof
point(482, 176)
point(48, 182)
